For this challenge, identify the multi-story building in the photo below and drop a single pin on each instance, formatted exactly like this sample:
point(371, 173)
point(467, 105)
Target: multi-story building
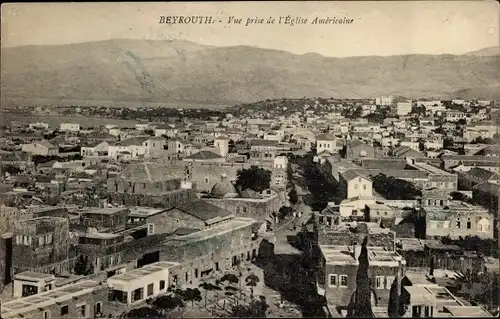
point(42, 147)
point(403, 108)
point(384, 100)
point(354, 184)
point(149, 184)
point(41, 244)
point(459, 219)
point(71, 127)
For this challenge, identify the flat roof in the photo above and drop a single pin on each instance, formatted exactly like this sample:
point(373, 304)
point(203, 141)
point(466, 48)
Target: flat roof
point(418, 279)
point(411, 244)
point(468, 311)
point(144, 211)
point(334, 254)
point(13, 308)
point(102, 211)
point(222, 228)
point(33, 276)
point(99, 235)
point(143, 271)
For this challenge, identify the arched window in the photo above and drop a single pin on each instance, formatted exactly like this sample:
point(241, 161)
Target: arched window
point(483, 225)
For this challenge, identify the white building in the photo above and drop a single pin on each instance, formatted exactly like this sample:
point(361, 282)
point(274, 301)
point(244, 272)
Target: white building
point(69, 127)
point(403, 108)
point(326, 142)
point(280, 162)
point(353, 184)
point(222, 144)
point(135, 286)
point(384, 100)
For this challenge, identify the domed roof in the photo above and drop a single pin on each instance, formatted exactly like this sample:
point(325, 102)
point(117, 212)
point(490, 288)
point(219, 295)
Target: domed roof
point(223, 188)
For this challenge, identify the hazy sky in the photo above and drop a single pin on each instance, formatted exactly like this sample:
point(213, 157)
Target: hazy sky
point(379, 27)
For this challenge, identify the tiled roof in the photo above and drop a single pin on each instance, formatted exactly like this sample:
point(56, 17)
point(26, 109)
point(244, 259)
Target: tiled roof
point(384, 163)
point(352, 174)
point(325, 137)
point(149, 172)
point(480, 173)
point(138, 140)
point(204, 155)
point(258, 142)
point(203, 210)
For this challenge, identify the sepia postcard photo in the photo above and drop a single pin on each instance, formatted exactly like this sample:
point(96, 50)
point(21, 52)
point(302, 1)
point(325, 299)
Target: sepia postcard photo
point(304, 159)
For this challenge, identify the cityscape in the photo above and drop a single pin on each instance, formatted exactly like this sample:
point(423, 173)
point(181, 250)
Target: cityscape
point(254, 196)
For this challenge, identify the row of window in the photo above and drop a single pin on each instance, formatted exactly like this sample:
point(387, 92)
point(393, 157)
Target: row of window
point(82, 310)
point(381, 282)
point(41, 240)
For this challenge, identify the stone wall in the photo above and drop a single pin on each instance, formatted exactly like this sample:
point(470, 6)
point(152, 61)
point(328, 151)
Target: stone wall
point(166, 200)
point(168, 221)
point(258, 209)
point(124, 186)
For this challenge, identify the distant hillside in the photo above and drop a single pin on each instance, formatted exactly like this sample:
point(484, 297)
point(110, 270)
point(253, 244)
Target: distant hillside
point(492, 51)
point(182, 71)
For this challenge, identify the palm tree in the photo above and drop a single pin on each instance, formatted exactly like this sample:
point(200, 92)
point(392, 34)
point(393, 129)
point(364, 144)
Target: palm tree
point(252, 281)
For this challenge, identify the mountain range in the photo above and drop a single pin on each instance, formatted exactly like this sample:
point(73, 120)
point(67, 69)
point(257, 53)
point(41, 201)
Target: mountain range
point(186, 72)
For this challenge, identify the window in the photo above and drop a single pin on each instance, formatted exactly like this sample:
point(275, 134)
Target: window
point(98, 308)
point(206, 180)
point(379, 282)
point(389, 281)
point(458, 224)
point(332, 280)
point(196, 273)
point(64, 310)
point(469, 225)
point(150, 289)
point(41, 241)
point(19, 240)
point(82, 310)
point(162, 284)
point(343, 280)
point(46, 314)
point(355, 186)
point(364, 187)
point(48, 239)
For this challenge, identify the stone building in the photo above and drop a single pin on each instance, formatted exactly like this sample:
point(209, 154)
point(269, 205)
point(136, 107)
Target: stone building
point(334, 256)
point(459, 219)
point(109, 219)
point(41, 244)
point(151, 185)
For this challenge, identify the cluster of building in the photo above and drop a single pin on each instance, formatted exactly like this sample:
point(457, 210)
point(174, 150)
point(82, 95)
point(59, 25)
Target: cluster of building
point(95, 219)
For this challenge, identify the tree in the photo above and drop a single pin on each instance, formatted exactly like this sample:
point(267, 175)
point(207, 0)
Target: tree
point(11, 169)
point(395, 188)
point(256, 309)
point(254, 178)
point(294, 197)
point(431, 266)
point(208, 286)
point(143, 312)
point(360, 305)
point(83, 267)
point(193, 295)
point(167, 303)
point(252, 280)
